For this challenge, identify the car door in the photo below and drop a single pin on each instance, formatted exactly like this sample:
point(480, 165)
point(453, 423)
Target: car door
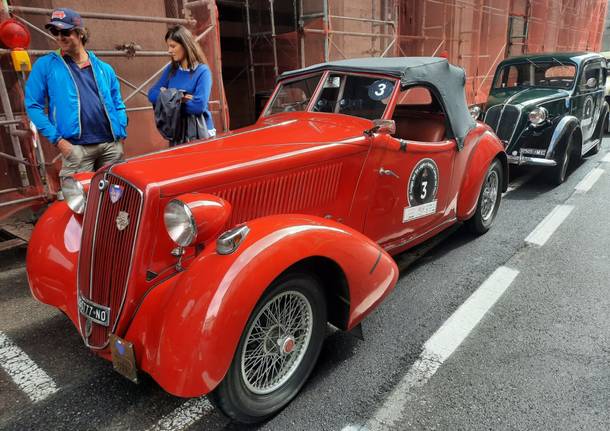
point(411, 194)
point(587, 100)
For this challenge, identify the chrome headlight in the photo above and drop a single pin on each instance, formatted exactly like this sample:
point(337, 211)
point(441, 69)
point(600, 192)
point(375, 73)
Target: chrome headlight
point(538, 116)
point(74, 194)
point(475, 112)
point(180, 223)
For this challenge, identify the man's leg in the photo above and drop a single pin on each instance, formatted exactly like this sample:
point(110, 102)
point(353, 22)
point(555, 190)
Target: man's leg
point(109, 152)
point(81, 159)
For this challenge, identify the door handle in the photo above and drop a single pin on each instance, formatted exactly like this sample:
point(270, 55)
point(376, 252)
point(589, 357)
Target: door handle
point(388, 172)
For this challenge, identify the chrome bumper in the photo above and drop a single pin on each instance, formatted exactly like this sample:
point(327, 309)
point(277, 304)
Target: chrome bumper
point(530, 161)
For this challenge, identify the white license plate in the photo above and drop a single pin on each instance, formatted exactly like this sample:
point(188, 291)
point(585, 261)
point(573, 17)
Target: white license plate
point(95, 312)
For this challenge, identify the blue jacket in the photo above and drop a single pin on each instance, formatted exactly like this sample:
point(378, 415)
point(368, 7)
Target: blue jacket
point(52, 81)
point(197, 83)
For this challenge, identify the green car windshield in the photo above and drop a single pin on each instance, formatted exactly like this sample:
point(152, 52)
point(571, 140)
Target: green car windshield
point(536, 74)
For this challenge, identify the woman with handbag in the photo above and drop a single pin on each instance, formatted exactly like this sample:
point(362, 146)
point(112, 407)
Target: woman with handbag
point(181, 95)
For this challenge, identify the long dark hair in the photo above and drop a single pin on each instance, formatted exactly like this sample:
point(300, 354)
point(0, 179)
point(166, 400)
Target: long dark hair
point(192, 50)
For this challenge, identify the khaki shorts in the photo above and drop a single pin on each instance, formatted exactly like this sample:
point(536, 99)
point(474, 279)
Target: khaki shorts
point(86, 158)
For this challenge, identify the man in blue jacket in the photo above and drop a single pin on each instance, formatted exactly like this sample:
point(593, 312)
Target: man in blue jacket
point(85, 116)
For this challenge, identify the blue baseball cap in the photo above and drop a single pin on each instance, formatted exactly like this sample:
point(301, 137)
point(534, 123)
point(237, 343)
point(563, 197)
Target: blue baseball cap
point(65, 19)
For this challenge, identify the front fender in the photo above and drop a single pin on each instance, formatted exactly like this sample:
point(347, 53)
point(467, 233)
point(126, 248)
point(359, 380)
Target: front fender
point(565, 126)
point(52, 258)
point(486, 149)
point(187, 329)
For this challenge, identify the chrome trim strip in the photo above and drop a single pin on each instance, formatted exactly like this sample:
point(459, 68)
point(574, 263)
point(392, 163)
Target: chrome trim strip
point(530, 161)
point(80, 329)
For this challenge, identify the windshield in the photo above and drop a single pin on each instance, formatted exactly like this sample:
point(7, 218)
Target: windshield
point(359, 96)
point(536, 74)
point(294, 95)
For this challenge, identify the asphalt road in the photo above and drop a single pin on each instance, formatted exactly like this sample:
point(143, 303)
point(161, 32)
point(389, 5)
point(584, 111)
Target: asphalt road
point(537, 359)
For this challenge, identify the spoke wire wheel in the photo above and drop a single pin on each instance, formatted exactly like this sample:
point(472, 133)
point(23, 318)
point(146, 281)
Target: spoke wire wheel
point(490, 195)
point(277, 350)
point(276, 342)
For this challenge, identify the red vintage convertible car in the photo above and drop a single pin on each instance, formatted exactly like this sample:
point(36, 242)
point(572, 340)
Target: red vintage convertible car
point(214, 267)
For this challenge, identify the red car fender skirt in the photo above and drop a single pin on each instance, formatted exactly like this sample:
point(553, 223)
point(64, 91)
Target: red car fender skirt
point(485, 150)
point(187, 329)
point(52, 258)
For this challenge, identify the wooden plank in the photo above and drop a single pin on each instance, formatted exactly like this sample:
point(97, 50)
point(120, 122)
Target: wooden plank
point(11, 243)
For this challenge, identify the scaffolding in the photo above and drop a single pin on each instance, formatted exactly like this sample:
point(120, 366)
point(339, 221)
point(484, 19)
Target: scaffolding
point(339, 29)
point(35, 160)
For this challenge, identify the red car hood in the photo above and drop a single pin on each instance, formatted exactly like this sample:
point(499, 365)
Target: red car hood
point(279, 142)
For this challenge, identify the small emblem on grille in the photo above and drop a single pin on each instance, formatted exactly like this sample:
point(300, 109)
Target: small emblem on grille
point(115, 193)
point(122, 220)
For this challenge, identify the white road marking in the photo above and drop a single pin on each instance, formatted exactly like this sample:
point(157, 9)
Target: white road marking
point(544, 230)
point(184, 416)
point(31, 379)
point(606, 158)
point(520, 182)
point(589, 180)
point(440, 347)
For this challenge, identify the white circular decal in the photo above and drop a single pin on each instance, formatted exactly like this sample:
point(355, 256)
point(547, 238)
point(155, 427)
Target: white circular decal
point(423, 183)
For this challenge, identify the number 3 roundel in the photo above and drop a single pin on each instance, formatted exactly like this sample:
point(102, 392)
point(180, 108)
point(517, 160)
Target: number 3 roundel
point(380, 89)
point(423, 183)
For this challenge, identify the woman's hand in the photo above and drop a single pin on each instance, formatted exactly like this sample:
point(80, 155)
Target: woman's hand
point(187, 97)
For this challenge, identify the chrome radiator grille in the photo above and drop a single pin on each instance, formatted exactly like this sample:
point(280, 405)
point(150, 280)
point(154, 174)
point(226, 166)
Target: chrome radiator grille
point(107, 246)
point(504, 119)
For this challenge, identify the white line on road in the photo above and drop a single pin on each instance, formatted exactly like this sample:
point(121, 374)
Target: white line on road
point(514, 185)
point(440, 347)
point(589, 180)
point(24, 372)
point(544, 230)
point(606, 158)
point(184, 416)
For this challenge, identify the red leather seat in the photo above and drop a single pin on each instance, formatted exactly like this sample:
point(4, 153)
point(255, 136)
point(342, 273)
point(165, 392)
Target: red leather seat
point(420, 126)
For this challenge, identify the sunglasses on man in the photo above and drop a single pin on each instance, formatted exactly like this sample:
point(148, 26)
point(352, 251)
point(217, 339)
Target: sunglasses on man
point(55, 32)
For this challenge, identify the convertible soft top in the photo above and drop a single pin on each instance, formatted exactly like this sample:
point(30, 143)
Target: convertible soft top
point(447, 79)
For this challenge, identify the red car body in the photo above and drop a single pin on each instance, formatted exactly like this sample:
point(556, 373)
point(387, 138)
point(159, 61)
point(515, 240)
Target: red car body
point(314, 190)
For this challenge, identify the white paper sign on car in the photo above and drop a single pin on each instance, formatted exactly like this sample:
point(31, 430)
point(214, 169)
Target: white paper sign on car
point(419, 211)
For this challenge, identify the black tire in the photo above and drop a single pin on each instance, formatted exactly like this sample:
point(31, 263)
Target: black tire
point(248, 401)
point(490, 197)
point(559, 173)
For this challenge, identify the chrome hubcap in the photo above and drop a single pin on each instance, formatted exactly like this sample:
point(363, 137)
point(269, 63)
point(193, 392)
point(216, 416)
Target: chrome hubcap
point(490, 195)
point(276, 342)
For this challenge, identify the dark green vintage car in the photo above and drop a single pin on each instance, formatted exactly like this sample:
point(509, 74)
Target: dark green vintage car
point(549, 109)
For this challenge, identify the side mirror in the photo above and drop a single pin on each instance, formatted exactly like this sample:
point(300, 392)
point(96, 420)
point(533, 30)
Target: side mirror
point(591, 83)
point(382, 126)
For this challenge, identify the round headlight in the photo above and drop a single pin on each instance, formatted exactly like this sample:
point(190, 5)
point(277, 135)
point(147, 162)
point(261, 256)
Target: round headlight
point(180, 223)
point(538, 116)
point(475, 112)
point(74, 194)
